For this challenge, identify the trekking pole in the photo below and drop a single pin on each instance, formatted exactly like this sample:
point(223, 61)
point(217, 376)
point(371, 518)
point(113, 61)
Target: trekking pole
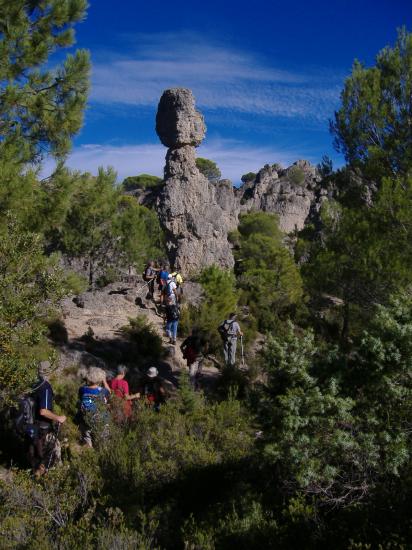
point(243, 355)
point(56, 436)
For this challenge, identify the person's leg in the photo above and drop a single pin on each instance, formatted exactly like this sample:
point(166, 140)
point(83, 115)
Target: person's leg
point(169, 329)
point(174, 330)
point(199, 372)
point(232, 358)
point(86, 434)
point(192, 373)
point(40, 445)
point(226, 348)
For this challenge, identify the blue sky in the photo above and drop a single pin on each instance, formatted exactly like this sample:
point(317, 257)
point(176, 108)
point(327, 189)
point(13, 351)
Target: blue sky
point(266, 75)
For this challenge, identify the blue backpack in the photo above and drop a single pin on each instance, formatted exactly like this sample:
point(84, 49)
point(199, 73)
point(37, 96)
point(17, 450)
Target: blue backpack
point(88, 400)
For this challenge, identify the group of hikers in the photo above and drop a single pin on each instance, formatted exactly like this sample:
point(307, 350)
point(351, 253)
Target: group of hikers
point(104, 395)
point(170, 287)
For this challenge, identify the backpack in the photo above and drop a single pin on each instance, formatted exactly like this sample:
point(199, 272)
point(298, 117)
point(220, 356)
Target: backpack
point(177, 278)
point(88, 403)
point(173, 312)
point(224, 329)
point(145, 277)
point(26, 415)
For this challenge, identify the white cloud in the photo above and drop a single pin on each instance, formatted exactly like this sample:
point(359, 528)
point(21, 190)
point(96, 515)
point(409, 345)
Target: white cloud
point(221, 78)
point(232, 157)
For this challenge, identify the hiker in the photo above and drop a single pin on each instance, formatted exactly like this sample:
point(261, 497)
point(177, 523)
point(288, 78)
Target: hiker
point(229, 331)
point(42, 442)
point(193, 351)
point(149, 275)
point(93, 399)
point(162, 280)
point(152, 389)
point(178, 279)
point(172, 321)
point(170, 291)
point(120, 388)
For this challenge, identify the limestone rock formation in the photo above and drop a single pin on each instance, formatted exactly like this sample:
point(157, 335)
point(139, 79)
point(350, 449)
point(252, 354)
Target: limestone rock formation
point(196, 214)
point(291, 193)
point(177, 121)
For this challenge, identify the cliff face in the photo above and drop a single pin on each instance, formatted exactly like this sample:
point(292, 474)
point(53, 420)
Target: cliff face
point(290, 193)
point(196, 214)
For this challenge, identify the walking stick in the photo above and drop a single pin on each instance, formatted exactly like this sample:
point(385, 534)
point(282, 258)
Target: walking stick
point(243, 355)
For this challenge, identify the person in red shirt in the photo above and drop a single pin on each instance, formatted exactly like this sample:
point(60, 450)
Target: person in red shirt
point(120, 388)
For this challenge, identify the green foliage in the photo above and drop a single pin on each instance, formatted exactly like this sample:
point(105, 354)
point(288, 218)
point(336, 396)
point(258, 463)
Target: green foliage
point(40, 109)
point(373, 128)
point(139, 231)
point(308, 422)
point(144, 335)
point(142, 181)
point(220, 299)
point(250, 176)
point(75, 283)
point(29, 284)
point(325, 167)
point(269, 280)
point(296, 175)
point(87, 229)
point(379, 379)
point(209, 169)
point(365, 254)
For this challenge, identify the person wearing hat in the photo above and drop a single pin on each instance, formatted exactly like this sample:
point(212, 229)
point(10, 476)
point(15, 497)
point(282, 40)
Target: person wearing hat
point(44, 445)
point(120, 388)
point(152, 388)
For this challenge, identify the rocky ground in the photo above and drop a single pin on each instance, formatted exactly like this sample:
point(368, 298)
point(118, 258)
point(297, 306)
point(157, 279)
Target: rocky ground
point(99, 316)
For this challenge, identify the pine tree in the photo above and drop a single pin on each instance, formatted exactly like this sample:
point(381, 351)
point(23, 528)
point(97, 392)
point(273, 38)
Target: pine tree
point(373, 127)
point(40, 108)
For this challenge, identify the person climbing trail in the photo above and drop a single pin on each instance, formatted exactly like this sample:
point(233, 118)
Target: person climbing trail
point(120, 388)
point(149, 275)
point(193, 350)
point(172, 321)
point(229, 330)
point(162, 280)
point(92, 407)
point(152, 389)
point(178, 279)
point(43, 446)
point(170, 294)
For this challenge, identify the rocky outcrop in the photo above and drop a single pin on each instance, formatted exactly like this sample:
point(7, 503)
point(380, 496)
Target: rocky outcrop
point(291, 193)
point(195, 214)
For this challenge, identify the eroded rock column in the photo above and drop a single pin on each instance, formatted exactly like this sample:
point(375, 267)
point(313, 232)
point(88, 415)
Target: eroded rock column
point(188, 207)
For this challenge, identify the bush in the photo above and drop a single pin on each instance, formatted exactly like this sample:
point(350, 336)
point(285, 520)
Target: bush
point(296, 175)
point(250, 176)
point(75, 283)
point(110, 275)
point(148, 344)
point(142, 181)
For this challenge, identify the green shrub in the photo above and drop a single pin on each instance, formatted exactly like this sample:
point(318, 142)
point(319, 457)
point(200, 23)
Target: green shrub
point(250, 176)
point(296, 175)
point(145, 337)
point(142, 181)
point(110, 275)
point(75, 283)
